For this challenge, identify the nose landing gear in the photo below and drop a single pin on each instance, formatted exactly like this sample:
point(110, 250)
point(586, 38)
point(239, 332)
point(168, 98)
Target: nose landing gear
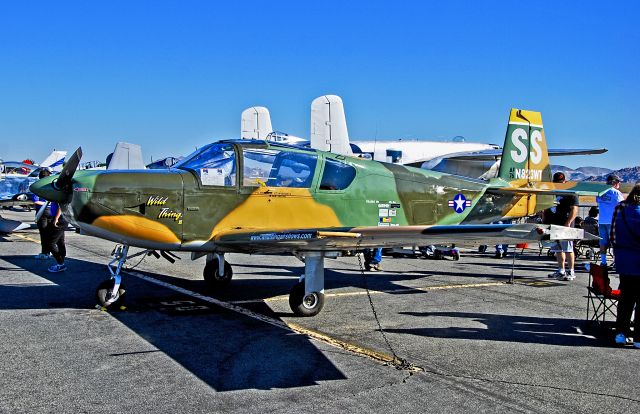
point(110, 292)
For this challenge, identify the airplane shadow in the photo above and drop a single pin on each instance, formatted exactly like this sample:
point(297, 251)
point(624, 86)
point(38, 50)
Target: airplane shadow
point(509, 328)
point(226, 350)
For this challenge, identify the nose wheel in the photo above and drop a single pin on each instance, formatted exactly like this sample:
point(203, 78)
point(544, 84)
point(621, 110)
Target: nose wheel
point(110, 292)
point(105, 294)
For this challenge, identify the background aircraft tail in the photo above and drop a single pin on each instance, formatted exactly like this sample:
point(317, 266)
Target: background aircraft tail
point(54, 161)
point(329, 125)
point(525, 157)
point(255, 123)
point(126, 156)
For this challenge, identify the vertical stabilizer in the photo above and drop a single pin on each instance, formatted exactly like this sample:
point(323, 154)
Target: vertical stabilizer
point(126, 156)
point(255, 123)
point(54, 161)
point(525, 158)
point(329, 125)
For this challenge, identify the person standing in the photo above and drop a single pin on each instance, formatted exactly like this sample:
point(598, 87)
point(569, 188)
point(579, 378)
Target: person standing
point(372, 259)
point(56, 239)
point(607, 202)
point(43, 220)
point(625, 239)
point(565, 213)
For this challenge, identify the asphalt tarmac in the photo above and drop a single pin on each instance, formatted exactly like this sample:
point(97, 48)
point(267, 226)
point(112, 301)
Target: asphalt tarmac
point(472, 341)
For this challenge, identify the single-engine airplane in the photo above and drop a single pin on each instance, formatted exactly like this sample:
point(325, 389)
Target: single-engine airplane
point(252, 196)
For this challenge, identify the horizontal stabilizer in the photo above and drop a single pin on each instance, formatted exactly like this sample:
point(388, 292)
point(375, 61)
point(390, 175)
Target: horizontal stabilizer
point(495, 154)
point(560, 189)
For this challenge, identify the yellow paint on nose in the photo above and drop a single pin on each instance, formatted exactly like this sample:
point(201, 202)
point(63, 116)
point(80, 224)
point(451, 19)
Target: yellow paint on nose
point(137, 227)
point(275, 209)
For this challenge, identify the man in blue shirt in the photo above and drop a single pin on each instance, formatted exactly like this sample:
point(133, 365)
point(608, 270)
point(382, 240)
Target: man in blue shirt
point(607, 202)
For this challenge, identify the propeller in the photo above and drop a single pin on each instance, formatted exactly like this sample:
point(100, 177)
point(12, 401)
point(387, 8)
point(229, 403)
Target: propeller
point(58, 188)
point(63, 182)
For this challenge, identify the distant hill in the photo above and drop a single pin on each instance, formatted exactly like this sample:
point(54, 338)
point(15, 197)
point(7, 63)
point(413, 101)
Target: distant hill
point(582, 173)
point(629, 175)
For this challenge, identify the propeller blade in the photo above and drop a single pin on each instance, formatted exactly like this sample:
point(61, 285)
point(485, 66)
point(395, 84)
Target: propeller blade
point(64, 179)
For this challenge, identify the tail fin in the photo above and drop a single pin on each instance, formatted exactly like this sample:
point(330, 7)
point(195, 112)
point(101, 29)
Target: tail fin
point(54, 160)
point(255, 123)
point(126, 156)
point(525, 158)
point(329, 125)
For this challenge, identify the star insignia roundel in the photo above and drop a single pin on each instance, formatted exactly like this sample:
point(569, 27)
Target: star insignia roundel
point(459, 203)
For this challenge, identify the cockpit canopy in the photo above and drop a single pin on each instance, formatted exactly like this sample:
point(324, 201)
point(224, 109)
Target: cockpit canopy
point(268, 166)
point(216, 164)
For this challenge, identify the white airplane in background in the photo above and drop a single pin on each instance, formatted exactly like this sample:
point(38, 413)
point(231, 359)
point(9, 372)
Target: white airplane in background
point(329, 133)
point(15, 184)
point(16, 177)
point(255, 123)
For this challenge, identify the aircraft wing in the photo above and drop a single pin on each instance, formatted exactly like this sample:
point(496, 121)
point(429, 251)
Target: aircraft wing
point(363, 237)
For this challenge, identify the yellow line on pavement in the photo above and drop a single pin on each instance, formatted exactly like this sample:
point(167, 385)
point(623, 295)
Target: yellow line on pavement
point(376, 292)
point(461, 286)
point(26, 238)
point(348, 346)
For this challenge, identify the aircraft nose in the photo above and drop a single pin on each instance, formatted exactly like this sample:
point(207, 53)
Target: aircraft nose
point(58, 188)
point(44, 189)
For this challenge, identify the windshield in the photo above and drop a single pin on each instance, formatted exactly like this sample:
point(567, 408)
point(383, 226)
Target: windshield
point(215, 164)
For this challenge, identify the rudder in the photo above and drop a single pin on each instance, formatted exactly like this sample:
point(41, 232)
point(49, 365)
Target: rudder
point(525, 157)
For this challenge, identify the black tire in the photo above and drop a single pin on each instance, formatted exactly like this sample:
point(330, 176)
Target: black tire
point(212, 276)
point(103, 294)
point(482, 248)
point(456, 255)
point(311, 305)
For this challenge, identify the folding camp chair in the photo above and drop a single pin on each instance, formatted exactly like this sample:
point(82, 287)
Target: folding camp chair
point(600, 297)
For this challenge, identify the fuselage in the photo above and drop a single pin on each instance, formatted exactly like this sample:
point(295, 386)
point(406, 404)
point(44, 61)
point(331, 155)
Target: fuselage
point(254, 186)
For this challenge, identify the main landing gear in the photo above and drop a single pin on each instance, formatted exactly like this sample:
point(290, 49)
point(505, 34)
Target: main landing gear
point(306, 297)
point(217, 272)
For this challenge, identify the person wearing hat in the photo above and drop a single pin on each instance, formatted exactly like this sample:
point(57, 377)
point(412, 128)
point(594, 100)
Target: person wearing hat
point(607, 203)
point(564, 214)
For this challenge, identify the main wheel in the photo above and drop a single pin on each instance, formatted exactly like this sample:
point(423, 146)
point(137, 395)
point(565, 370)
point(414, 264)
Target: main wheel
point(212, 274)
point(305, 305)
point(104, 291)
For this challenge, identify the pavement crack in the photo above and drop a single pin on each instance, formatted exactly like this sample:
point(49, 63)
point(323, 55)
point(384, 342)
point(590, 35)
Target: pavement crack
point(524, 384)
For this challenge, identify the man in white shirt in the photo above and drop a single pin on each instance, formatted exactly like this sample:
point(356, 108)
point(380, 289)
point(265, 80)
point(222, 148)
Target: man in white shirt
point(607, 202)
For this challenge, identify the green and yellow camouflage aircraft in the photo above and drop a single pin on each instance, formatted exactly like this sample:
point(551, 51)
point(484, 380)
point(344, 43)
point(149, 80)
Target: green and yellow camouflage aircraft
point(261, 197)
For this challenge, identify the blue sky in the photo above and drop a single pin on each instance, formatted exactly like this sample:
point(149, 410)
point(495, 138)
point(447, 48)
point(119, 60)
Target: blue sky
point(171, 76)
